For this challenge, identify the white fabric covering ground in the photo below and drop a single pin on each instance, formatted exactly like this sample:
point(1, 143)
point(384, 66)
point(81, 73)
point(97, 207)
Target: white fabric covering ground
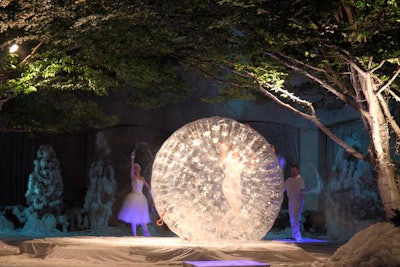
point(143, 252)
point(377, 245)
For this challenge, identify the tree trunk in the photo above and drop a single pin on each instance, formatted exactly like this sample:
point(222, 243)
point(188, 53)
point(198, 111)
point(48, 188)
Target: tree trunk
point(380, 151)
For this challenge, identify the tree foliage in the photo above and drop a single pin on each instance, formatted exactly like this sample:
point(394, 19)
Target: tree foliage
point(349, 49)
point(323, 42)
point(82, 49)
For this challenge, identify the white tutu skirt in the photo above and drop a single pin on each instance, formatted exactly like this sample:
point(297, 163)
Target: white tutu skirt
point(135, 209)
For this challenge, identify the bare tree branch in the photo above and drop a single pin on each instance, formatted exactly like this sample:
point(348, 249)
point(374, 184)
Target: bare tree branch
point(389, 116)
point(316, 121)
point(313, 118)
point(379, 66)
point(390, 81)
point(345, 56)
point(32, 53)
point(370, 61)
point(3, 101)
point(394, 95)
point(314, 78)
point(299, 62)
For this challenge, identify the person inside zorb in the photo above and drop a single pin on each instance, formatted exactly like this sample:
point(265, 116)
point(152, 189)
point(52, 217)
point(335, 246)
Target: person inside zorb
point(217, 179)
point(231, 185)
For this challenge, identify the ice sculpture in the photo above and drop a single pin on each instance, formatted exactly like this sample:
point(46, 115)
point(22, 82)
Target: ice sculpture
point(217, 179)
point(5, 225)
point(44, 194)
point(100, 196)
point(352, 198)
point(45, 186)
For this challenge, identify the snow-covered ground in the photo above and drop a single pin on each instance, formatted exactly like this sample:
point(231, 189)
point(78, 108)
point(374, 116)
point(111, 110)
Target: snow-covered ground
point(377, 245)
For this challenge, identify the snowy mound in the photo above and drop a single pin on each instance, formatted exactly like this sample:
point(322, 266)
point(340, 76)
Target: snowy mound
point(377, 245)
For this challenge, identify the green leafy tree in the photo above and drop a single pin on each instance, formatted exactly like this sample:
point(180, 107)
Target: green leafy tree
point(81, 50)
point(348, 52)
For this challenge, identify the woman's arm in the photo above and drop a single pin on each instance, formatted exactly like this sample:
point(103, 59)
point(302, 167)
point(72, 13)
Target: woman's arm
point(132, 164)
point(146, 184)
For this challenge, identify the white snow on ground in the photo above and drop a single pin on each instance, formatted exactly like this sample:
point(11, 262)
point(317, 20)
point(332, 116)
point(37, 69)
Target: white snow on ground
point(377, 245)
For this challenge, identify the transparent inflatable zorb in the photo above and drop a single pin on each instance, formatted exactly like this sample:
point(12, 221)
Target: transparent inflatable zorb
point(217, 179)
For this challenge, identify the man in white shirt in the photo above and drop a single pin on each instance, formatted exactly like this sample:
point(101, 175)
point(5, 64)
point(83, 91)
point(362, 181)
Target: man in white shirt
point(294, 187)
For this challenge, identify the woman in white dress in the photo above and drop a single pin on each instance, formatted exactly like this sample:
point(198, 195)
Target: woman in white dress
point(135, 209)
point(231, 185)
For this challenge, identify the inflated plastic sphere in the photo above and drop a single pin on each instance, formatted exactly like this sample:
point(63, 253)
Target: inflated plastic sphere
point(217, 179)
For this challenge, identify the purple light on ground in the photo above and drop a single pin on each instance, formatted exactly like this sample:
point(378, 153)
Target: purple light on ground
point(303, 240)
point(224, 263)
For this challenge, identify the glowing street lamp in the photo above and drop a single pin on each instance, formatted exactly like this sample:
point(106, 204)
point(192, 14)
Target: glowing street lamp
point(13, 48)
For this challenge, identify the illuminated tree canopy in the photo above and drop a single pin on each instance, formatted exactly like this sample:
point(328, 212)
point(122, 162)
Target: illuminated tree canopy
point(73, 51)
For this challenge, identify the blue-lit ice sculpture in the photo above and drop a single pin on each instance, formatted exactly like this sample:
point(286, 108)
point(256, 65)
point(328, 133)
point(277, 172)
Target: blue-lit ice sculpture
point(217, 179)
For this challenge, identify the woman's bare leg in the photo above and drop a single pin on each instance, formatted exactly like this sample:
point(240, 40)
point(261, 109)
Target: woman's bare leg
point(133, 226)
point(145, 230)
